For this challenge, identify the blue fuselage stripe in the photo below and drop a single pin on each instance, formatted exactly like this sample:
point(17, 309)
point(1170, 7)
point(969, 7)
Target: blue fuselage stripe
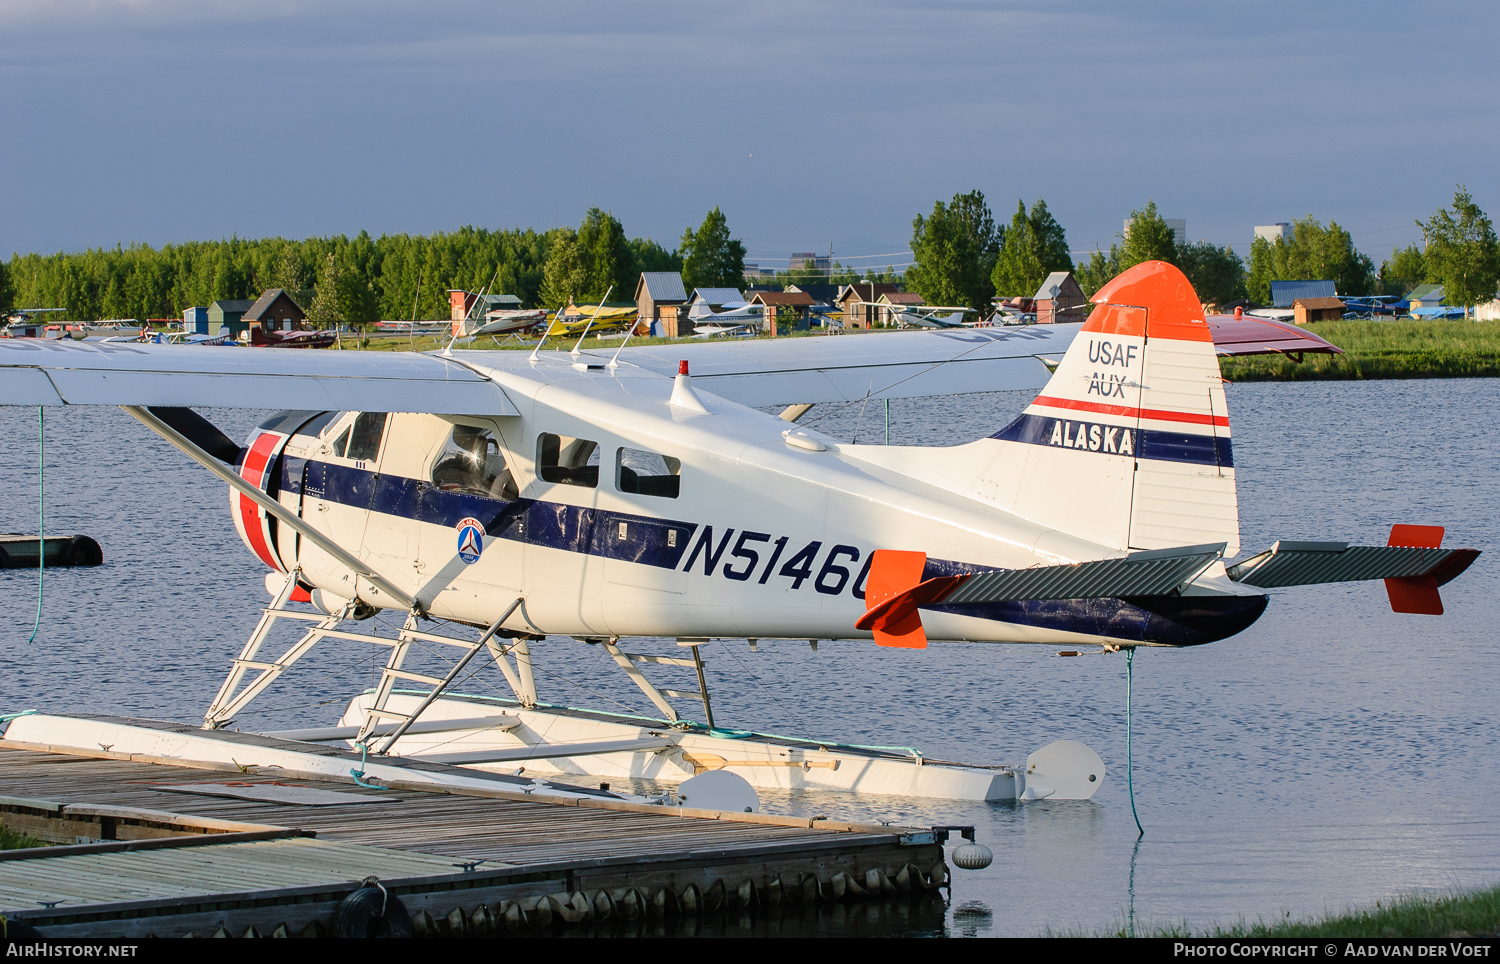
point(662, 543)
point(1107, 439)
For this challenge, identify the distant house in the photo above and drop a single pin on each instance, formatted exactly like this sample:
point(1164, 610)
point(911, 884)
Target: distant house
point(821, 294)
point(798, 301)
point(1059, 300)
point(716, 298)
point(461, 303)
point(1317, 309)
point(226, 313)
point(195, 321)
point(658, 296)
point(893, 301)
point(1283, 293)
point(1426, 296)
point(859, 302)
point(275, 310)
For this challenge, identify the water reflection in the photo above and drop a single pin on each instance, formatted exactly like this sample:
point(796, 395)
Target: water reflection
point(920, 916)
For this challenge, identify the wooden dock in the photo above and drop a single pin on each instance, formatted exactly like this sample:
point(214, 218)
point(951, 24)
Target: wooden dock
point(144, 850)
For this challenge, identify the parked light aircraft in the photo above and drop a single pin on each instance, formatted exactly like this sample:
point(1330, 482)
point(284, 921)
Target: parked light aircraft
point(741, 314)
point(643, 495)
point(930, 316)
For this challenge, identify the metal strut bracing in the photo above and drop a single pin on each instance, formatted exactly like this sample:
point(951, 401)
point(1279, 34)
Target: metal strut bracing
point(392, 672)
point(236, 693)
point(628, 661)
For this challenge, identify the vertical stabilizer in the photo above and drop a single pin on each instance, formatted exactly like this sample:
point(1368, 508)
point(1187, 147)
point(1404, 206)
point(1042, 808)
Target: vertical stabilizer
point(1128, 445)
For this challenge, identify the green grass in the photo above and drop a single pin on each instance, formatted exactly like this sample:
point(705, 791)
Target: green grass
point(1470, 914)
point(1384, 349)
point(12, 840)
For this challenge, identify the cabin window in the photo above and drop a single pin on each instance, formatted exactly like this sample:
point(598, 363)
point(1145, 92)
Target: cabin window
point(364, 443)
point(473, 463)
point(647, 473)
point(567, 460)
point(341, 443)
point(320, 424)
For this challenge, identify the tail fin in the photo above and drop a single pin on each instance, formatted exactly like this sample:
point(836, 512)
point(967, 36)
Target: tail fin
point(1128, 445)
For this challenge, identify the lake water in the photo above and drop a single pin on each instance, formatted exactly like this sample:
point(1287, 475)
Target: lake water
point(1332, 754)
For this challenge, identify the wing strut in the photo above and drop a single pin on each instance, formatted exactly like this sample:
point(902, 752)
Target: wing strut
point(281, 512)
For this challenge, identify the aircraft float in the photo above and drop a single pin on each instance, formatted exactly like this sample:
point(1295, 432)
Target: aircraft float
point(641, 493)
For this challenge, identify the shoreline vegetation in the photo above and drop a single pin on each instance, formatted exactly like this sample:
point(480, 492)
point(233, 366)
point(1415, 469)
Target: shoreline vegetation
point(1461, 914)
point(1383, 349)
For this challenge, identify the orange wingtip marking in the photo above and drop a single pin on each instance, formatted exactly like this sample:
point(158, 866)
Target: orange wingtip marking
point(1418, 537)
point(1419, 594)
point(1172, 306)
point(1415, 594)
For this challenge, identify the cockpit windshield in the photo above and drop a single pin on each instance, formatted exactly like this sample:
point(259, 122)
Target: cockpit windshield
point(473, 463)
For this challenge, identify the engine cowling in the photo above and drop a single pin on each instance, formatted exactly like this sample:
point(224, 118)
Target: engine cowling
point(260, 465)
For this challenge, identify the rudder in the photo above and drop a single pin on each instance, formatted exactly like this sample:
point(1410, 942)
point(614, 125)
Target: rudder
point(1128, 445)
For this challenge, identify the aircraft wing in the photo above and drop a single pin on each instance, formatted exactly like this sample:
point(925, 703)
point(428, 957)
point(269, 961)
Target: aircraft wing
point(36, 372)
point(1263, 336)
point(908, 364)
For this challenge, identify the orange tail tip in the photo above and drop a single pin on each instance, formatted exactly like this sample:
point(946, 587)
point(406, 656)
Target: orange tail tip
point(1172, 308)
point(1415, 594)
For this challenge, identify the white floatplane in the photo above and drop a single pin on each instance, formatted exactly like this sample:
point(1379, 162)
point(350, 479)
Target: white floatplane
point(606, 497)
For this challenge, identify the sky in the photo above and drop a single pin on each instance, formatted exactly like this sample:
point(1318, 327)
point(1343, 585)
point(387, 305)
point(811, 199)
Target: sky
point(809, 124)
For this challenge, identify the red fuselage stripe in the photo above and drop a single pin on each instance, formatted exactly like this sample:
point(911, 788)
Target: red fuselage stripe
point(1128, 412)
point(254, 472)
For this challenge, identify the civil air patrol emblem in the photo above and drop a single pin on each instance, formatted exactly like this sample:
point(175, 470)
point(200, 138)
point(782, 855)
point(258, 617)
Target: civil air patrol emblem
point(470, 540)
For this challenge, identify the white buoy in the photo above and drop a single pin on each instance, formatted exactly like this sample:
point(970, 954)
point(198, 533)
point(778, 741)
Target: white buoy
point(972, 856)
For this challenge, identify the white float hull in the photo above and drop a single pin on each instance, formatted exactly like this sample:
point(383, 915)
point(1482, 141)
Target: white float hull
point(677, 754)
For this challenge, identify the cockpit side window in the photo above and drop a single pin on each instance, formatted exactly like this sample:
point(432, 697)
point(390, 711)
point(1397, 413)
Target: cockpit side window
point(647, 473)
point(567, 460)
point(364, 443)
point(473, 463)
point(341, 443)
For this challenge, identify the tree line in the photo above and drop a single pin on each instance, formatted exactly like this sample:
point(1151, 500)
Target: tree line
point(962, 257)
point(365, 279)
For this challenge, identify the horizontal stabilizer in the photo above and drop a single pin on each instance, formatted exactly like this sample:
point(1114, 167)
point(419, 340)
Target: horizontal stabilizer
point(1154, 573)
point(896, 590)
point(1312, 563)
point(1413, 566)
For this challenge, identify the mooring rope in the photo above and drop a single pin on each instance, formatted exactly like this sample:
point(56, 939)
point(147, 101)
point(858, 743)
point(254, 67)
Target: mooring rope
point(41, 515)
point(1129, 754)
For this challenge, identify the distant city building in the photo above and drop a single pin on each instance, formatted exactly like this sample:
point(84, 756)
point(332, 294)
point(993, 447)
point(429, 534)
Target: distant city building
point(1270, 232)
point(1060, 299)
point(811, 261)
point(1283, 293)
point(754, 272)
point(1178, 226)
